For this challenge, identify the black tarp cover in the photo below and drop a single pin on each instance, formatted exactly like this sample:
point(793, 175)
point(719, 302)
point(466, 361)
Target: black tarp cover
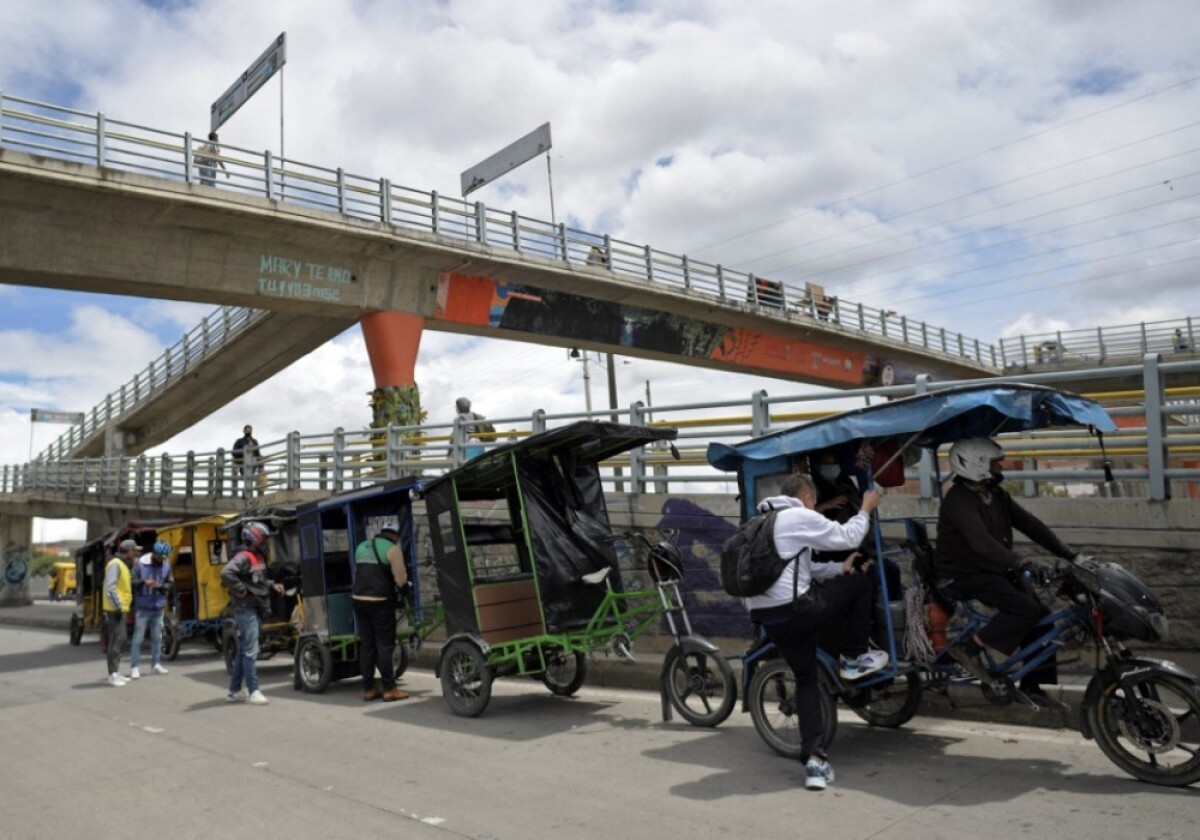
point(557, 479)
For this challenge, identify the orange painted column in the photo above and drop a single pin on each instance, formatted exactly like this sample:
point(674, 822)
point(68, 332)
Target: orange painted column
point(393, 339)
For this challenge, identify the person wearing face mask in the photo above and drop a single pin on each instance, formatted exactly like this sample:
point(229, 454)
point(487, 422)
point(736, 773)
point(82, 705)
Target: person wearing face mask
point(152, 580)
point(837, 496)
point(975, 554)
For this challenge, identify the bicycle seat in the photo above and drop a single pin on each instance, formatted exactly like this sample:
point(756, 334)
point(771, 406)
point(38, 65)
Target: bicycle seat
point(596, 577)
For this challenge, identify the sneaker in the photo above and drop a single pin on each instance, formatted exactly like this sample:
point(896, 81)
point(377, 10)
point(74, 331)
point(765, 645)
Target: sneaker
point(817, 774)
point(116, 680)
point(860, 666)
point(972, 664)
point(238, 696)
point(135, 674)
point(258, 699)
point(158, 669)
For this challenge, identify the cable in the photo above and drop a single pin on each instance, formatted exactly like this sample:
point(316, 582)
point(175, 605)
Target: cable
point(947, 165)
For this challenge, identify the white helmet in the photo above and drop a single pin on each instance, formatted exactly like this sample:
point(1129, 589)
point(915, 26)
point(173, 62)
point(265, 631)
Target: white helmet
point(972, 458)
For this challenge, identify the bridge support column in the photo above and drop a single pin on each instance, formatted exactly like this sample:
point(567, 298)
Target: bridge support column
point(16, 536)
point(393, 339)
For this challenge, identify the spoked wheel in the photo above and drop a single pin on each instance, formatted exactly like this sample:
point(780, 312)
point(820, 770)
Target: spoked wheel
point(76, 629)
point(1154, 734)
point(773, 708)
point(466, 679)
point(229, 651)
point(700, 686)
point(890, 704)
point(314, 665)
point(170, 640)
point(565, 672)
point(400, 658)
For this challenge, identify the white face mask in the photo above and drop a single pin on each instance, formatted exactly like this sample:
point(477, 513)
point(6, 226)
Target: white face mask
point(830, 472)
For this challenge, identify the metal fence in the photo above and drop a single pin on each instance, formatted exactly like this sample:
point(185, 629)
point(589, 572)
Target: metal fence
point(1148, 456)
point(92, 138)
point(1099, 345)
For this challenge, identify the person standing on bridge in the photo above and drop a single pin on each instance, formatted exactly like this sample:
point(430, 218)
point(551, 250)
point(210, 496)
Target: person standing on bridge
point(245, 576)
point(152, 580)
point(246, 447)
point(118, 597)
point(469, 431)
point(208, 158)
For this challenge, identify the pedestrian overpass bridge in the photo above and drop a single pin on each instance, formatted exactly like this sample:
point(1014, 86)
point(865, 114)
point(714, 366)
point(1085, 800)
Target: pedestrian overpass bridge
point(297, 253)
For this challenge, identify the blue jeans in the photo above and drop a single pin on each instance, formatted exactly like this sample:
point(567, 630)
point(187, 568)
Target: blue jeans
point(248, 625)
point(155, 619)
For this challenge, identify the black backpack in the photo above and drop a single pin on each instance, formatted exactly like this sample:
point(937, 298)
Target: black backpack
point(749, 561)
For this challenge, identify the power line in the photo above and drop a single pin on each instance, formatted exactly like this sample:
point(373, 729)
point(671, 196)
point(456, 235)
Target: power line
point(946, 165)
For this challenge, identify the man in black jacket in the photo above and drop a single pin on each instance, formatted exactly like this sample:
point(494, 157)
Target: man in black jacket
point(379, 575)
point(246, 578)
point(975, 552)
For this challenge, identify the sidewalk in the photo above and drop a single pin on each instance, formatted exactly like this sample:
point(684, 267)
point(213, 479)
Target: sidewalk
point(965, 703)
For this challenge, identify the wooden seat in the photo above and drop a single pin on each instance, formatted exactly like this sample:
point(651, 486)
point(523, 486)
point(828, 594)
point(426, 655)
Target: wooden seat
point(508, 609)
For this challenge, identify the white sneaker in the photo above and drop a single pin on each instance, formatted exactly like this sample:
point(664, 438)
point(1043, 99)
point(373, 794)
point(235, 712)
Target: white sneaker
point(238, 696)
point(258, 699)
point(158, 669)
point(135, 674)
point(116, 680)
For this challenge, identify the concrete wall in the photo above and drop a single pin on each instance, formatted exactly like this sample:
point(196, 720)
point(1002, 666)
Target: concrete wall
point(16, 538)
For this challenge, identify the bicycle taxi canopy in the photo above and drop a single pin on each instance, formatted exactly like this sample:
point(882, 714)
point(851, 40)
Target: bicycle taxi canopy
point(548, 527)
point(925, 420)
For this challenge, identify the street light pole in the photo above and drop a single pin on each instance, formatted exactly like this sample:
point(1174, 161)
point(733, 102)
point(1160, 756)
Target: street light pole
point(612, 387)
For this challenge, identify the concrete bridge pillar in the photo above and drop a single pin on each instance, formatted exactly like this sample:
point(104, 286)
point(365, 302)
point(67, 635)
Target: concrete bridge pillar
point(16, 537)
point(116, 441)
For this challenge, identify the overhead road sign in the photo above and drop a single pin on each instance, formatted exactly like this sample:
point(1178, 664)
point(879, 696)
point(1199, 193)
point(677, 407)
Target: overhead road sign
point(256, 75)
point(41, 415)
point(507, 159)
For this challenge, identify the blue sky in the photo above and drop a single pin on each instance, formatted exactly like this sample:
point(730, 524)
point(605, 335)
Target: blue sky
point(999, 168)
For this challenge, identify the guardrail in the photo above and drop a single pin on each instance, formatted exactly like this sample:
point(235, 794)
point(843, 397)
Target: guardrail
point(1101, 344)
point(1148, 457)
point(202, 341)
point(68, 134)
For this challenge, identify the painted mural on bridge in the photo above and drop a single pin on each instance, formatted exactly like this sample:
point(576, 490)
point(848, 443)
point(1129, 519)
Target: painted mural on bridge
point(14, 586)
point(488, 302)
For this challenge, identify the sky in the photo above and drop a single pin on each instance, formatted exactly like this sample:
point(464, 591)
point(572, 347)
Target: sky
point(998, 168)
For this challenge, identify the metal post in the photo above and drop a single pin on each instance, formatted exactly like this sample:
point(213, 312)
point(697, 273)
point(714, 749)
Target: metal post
point(1024, 353)
point(392, 453)
point(687, 280)
point(649, 262)
point(339, 458)
point(293, 461)
point(1100, 340)
point(341, 191)
point(760, 414)
point(562, 239)
point(101, 150)
point(1145, 347)
point(608, 260)
point(516, 229)
point(189, 177)
point(480, 223)
point(637, 463)
point(1158, 489)
point(752, 290)
point(883, 322)
point(537, 421)
point(721, 283)
point(925, 465)
point(434, 209)
point(269, 174)
point(189, 476)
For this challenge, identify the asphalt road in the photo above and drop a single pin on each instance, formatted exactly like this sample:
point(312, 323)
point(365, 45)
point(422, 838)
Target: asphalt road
point(166, 757)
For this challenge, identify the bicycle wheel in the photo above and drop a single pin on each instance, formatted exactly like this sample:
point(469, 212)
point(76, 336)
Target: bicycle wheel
point(889, 704)
point(400, 658)
point(466, 679)
point(171, 640)
point(700, 686)
point(1156, 737)
point(565, 673)
point(772, 698)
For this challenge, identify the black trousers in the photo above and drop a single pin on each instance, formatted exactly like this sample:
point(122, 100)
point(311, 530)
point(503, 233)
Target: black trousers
point(376, 640)
point(845, 601)
point(1013, 626)
point(114, 630)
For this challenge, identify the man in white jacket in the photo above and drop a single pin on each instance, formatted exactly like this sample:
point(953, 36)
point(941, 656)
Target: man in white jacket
point(806, 596)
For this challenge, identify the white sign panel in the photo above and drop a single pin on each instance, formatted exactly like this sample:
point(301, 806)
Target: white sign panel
point(256, 75)
point(507, 159)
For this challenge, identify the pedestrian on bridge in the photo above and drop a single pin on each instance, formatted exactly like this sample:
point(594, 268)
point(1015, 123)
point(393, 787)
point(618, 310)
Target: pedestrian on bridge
point(117, 599)
point(208, 158)
point(246, 447)
point(469, 431)
point(152, 580)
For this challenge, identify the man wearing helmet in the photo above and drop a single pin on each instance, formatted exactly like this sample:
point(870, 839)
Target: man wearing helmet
point(245, 576)
point(975, 552)
point(152, 580)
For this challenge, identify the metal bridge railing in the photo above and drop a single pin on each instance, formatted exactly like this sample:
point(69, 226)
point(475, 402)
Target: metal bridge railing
point(203, 340)
point(1148, 455)
point(1101, 344)
point(92, 138)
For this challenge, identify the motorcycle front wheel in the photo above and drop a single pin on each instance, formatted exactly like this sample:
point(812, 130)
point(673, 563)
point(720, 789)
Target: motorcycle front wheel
point(1153, 731)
